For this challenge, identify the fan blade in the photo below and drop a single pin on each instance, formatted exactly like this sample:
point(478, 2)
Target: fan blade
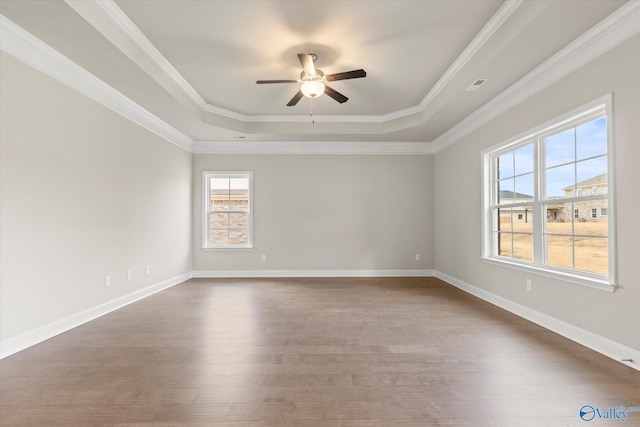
point(355, 74)
point(307, 63)
point(335, 94)
point(295, 99)
point(264, 82)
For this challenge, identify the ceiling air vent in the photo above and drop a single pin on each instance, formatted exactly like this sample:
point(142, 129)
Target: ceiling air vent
point(475, 85)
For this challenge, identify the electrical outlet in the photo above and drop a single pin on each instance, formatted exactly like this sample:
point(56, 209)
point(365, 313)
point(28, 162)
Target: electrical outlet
point(129, 274)
point(529, 285)
point(264, 257)
point(147, 270)
point(417, 257)
point(107, 281)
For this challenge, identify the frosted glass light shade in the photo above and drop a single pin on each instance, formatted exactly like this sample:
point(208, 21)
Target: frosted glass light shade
point(312, 89)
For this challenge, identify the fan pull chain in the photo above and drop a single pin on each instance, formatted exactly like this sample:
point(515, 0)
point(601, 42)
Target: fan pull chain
point(313, 122)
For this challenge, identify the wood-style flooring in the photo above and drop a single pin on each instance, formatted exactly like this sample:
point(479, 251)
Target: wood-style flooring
point(311, 352)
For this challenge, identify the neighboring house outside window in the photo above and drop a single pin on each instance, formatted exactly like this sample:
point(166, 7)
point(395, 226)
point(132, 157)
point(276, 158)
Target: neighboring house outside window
point(542, 193)
point(227, 222)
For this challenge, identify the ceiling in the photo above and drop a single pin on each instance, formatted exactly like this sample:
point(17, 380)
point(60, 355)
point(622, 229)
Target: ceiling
point(194, 64)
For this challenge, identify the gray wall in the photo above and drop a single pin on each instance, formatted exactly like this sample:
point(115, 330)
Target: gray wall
point(458, 233)
point(326, 212)
point(84, 193)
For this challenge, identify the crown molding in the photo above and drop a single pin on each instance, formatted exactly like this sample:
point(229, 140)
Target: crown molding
point(313, 147)
point(618, 27)
point(22, 45)
point(137, 36)
point(25, 47)
point(609, 33)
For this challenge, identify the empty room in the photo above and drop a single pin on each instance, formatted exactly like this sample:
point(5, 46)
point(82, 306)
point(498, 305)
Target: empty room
point(319, 213)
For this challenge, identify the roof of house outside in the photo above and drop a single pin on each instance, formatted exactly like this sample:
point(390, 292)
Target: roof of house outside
point(591, 182)
point(508, 194)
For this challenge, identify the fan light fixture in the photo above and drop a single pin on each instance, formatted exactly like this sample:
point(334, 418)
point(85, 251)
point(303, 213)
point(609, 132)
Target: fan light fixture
point(312, 88)
point(313, 82)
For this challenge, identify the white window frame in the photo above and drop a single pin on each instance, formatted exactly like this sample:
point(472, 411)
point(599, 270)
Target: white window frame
point(586, 113)
point(206, 190)
point(594, 213)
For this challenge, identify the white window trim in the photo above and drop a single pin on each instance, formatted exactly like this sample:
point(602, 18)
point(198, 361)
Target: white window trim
point(583, 113)
point(206, 175)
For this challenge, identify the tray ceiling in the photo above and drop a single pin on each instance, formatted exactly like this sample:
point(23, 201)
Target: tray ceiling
point(194, 64)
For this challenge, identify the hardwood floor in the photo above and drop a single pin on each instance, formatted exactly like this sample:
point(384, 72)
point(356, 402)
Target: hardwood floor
point(311, 352)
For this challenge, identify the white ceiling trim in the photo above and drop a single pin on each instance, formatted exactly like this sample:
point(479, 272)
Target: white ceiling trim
point(621, 25)
point(19, 43)
point(615, 29)
point(24, 46)
point(136, 35)
point(310, 147)
point(123, 21)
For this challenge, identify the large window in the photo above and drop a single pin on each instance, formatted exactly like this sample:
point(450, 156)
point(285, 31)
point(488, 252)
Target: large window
point(541, 196)
point(227, 210)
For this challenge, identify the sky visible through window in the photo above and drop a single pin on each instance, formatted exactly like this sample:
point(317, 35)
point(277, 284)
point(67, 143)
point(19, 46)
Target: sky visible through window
point(571, 156)
point(575, 155)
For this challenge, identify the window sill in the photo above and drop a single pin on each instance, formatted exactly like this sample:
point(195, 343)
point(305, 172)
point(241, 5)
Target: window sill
point(555, 274)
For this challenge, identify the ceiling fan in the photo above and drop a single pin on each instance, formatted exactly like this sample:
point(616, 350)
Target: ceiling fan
point(313, 82)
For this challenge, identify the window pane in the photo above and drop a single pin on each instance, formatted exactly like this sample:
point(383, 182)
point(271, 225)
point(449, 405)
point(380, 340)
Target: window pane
point(238, 237)
point(219, 203)
point(505, 220)
point(592, 173)
point(524, 188)
point(219, 185)
point(505, 165)
point(591, 226)
point(239, 220)
point(558, 216)
point(239, 203)
point(239, 185)
point(560, 181)
point(523, 246)
point(219, 221)
point(559, 250)
point(560, 148)
point(592, 254)
point(219, 196)
point(506, 189)
point(504, 244)
point(523, 157)
point(591, 139)
point(218, 237)
point(522, 219)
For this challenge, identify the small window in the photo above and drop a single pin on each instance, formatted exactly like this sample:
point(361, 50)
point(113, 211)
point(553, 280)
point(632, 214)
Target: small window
point(594, 190)
point(594, 213)
point(576, 213)
point(227, 210)
point(603, 211)
point(519, 216)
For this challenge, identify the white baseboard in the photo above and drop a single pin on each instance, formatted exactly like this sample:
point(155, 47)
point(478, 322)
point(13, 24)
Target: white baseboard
point(42, 333)
point(311, 273)
point(605, 346)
